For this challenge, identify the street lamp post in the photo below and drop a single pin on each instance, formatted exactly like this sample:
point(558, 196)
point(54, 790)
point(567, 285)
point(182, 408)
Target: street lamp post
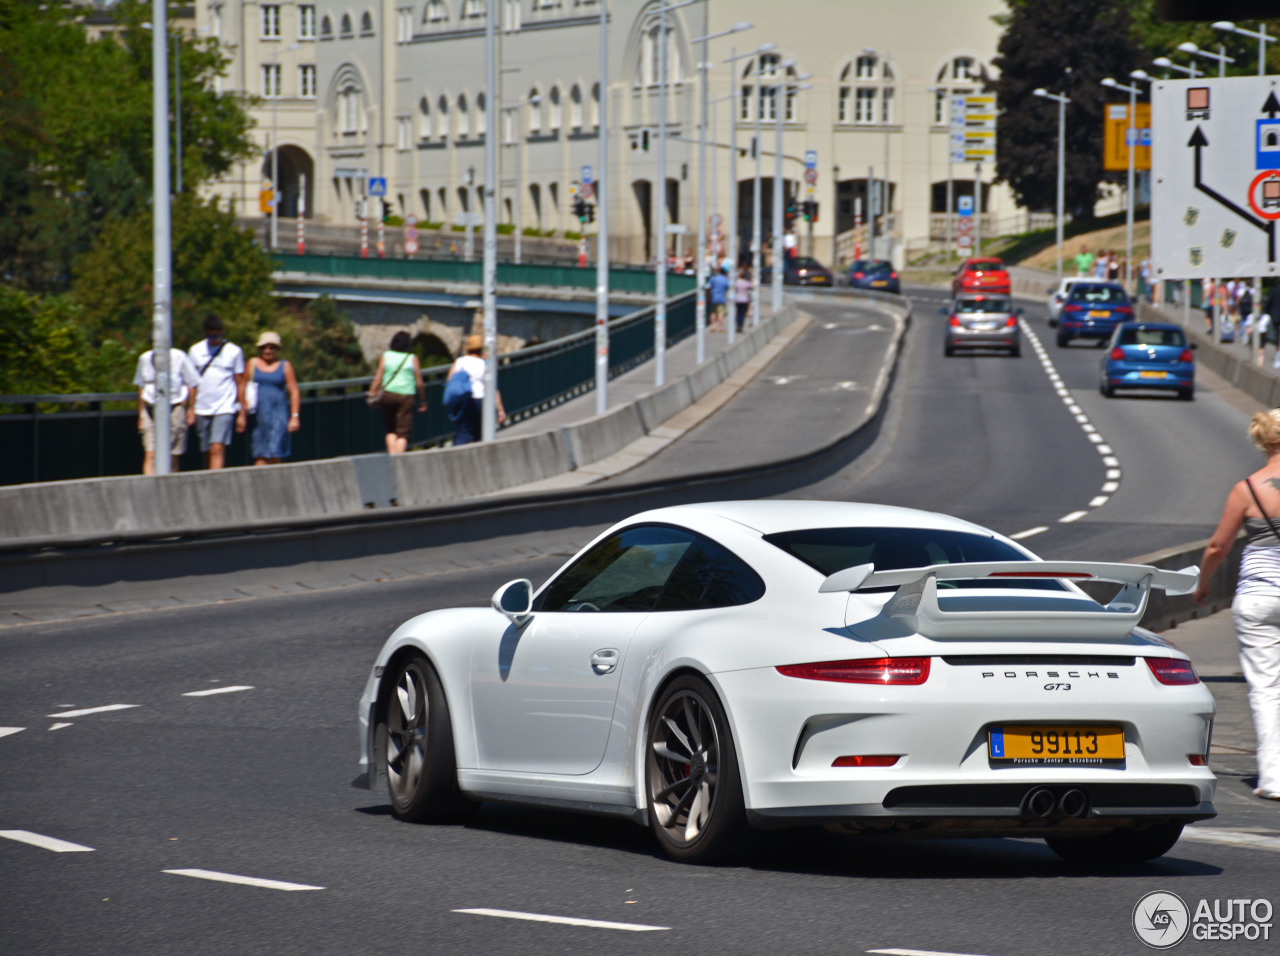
point(1131, 134)
point(161, 292)
point(1220, 56)
point(518, 129)
point(733, 175)
point(1062, 100)
point(1260, 35)
point(1167, 64)
point(780, 93)
point(489, 271)
point(700, 322)
point(602, 227)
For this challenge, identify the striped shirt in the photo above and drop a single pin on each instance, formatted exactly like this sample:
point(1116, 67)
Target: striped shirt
point(1260, 563)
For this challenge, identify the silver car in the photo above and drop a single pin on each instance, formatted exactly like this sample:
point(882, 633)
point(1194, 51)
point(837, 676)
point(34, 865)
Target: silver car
point(983, 322)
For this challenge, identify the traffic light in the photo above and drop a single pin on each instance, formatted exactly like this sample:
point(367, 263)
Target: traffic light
point(791, 211)
point(582, 209)
point(810, 210)
point(644, 140)
point(591, 211)
point(387, 210)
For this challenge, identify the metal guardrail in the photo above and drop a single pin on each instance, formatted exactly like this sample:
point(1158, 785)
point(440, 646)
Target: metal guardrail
point(95, 435)
point(621, 278)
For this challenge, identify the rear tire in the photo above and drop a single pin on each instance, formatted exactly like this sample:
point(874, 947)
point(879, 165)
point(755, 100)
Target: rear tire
point(1015, 352)
point(1187, 394)
point(417, 742)
point(1107, 391)
point(694, 788)
point(1119, 846)
point(1063, 339)
point(948, 350)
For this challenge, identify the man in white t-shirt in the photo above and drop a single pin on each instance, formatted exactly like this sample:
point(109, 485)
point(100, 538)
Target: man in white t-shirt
point(183, 382)
point(219, 403)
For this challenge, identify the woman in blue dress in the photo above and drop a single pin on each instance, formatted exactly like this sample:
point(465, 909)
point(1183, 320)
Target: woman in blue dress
point(278, 402)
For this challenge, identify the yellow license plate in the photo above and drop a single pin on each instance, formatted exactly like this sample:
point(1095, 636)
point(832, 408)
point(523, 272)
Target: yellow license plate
point(880, 282)
point(1094, 314)
point(1152, 374)
point(1047, 744)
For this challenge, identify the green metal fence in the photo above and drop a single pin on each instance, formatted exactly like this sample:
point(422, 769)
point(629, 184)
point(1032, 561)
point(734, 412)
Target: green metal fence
point(621, 278)
point(61, 437)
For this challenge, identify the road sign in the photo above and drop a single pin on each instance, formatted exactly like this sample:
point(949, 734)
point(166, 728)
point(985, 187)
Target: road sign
point(586, 190)
point(410, 246)
point(810, 159)
point(964, 205)
point(811, 176)
point(1215, 195)
point(1115, 138)
point(377, 186)
point(716, 219)
point(586, 176)
point(973, 128)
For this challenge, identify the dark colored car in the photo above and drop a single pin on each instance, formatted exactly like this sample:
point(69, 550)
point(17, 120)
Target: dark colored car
point(800, 270)
point(980, 275)
point(1092, 311)
point(1149, 355)
point(876, 274)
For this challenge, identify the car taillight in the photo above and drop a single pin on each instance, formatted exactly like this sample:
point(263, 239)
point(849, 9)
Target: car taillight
point(885, 670)
point(1186, 356)
point(1123, 309)
point(1011, 321)
point(1196, 760)
point(893, 275)
point(859, 275)
point(1117, 354)
point(1172, 670)
point(1073, 308)
point(955, 321)
point(867, 760)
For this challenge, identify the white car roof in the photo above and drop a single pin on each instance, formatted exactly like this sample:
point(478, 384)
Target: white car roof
point(775, 515)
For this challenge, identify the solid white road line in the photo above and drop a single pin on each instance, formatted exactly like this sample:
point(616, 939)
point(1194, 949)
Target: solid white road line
point(93, 710)
point(1254, 841)
point(1029, 532)
point(217, 690)
point(914, 952)
point(1074, 516)
point(6, 731)
point(566, 920)
point(245, 880)
point(44, 842)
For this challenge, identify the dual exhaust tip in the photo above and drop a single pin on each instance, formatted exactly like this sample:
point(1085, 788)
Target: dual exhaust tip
point(1042, 803)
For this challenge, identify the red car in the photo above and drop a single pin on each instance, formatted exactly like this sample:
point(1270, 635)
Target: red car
point(980, 275)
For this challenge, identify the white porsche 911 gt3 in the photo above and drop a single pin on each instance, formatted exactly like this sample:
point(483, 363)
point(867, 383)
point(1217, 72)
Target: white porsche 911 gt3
point(709, 667)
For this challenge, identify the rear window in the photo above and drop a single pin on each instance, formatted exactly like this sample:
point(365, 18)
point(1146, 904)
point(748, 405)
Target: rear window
point(987, 304)
point(1098, 295)
point(803, 262)
point(993, 266)
point(878, 266)
point(828, 550)
point(1172, 337)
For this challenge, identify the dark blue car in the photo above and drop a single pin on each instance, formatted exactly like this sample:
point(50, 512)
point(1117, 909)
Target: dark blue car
point(1092, 310)
point(877, 274)
point(1149, 355)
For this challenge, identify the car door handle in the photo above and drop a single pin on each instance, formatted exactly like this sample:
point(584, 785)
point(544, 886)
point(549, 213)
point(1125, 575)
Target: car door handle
point(604, 661)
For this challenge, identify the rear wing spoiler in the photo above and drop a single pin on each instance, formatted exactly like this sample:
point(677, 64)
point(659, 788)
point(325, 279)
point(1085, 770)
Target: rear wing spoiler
point(915, 604)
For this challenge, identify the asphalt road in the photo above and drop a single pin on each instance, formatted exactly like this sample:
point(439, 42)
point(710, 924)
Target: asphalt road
point(253, 782)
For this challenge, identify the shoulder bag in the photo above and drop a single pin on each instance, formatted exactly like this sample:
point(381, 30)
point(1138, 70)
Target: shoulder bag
point(375, 397)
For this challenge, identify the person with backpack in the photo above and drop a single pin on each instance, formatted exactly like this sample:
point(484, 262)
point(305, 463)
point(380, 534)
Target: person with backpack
point(396, 380)
point(220, 394)
point(464, 393)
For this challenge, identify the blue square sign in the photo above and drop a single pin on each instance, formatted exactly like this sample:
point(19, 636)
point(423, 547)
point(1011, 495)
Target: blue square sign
point(1268, 144)
point(377, 186)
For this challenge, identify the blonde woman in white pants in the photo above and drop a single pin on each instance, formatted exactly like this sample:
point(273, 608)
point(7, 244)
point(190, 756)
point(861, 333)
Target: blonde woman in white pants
point(1254, 504)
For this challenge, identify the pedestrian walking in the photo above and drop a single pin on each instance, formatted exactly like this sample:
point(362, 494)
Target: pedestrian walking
point(1269, 326)
point(742, 295)
point(1084, 262)
point(468, 422)
point(183, 382)
point(1254, 504)
point(719, 289)
point(220, 408)
point(279, 402)
point(396, 380)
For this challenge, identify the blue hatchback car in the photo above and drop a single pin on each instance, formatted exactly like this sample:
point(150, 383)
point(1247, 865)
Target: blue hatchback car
point(1092, 310)
point(1149, 355)
point(877, 274)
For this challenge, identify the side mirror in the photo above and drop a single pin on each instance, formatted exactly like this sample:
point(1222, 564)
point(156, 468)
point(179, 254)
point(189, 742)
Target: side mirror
point(1195, 345)
point(1017, 311)
point(514, 601)
point(1053, 289)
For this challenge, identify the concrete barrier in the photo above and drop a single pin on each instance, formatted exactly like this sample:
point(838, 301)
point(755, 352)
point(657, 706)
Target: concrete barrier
point(136, 508)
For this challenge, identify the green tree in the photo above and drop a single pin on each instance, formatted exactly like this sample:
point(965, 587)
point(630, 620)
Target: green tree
point(321, 342)
point(44, 349)
point(216, 268)
point(1065, 47)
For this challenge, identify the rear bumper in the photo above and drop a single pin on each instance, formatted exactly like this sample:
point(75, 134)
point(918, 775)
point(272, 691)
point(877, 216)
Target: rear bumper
point(1001, 338)
point(1087, 330)
point(1175, 378)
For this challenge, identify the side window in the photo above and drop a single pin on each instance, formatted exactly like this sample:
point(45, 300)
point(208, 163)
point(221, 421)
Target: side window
point(625, 572)
point(710, 575)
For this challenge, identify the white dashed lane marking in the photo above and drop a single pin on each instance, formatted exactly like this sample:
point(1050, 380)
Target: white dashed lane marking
point(244, 880)
point(93, 710)
point(915, 952)
point(44, 842)
point(218, 690)
point(59, 726)
point(566, 920)
point(1029, 532)
point(6, 731)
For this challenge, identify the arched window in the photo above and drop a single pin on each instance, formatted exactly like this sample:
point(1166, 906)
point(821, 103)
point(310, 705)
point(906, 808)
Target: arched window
point(535, 111)
point(482, 115)
point(650, 66)
point(961, 74)
point(347, 29)
point(771, 74)
point(575, 107)
point(366, 24)
point(473, 9)
point(326, 28)
point(511, 15)
point(442, 117)
point(424, 114)
point(464, 117)
point(595, 104)
point(865, 94)
point(556, 114)
point(348, 109)
point(436, 11)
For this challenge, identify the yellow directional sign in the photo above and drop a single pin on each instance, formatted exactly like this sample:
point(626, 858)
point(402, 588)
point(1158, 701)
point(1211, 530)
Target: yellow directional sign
point(1115, 154)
